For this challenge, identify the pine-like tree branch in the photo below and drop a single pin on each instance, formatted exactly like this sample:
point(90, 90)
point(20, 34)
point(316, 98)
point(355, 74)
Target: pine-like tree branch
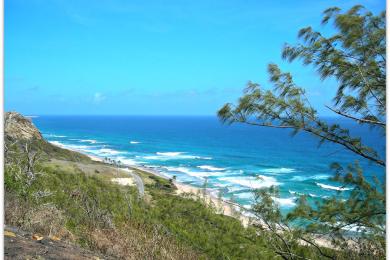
point(360, 120)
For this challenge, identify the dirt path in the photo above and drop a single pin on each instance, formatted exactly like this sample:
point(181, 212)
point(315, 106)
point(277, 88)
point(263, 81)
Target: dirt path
point(139, 183)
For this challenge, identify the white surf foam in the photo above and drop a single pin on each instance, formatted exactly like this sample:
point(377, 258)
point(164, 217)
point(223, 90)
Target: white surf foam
point(302, 194)
point(190, 172)
point(252, 182)
point(70, 146)
point(330, 187)
point(221, 185)
point(57, 143)
point(107, 152)
point(127, 161)
point(305, 178)
point(245, 195)
point(234, 188)
point(278, 170)
point(164, 156)
point(134, 142)
point(169, 154)
point(91, 141)
point(295, 193)
point(210, 168)
point(285, 202)
point(53, 135)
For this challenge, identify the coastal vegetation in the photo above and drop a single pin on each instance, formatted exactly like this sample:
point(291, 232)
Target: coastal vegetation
point(74, 200)
point(355, 57)
point(65, 195)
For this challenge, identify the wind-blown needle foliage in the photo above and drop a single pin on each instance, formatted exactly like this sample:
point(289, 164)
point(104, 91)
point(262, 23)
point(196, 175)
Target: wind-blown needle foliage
point(356, 57)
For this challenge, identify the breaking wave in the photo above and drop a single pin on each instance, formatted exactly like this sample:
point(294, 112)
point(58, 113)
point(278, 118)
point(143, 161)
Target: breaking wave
point(278, 170)
point(252, 182)
point(165, 156)
point(330, 187)
point(285, 202)
point(210, 168)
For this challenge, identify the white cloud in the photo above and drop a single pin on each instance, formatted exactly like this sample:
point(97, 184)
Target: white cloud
point(98, 98)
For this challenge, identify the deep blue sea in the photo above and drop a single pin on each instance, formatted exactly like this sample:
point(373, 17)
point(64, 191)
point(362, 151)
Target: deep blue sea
point(235, 159)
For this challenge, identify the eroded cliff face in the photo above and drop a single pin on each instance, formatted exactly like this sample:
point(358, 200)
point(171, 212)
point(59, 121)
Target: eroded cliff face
point(18, 127)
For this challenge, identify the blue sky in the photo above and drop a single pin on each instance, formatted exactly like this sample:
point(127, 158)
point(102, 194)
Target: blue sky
point(152, 57)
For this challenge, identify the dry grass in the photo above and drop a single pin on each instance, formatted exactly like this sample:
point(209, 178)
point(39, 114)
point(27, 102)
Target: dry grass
point(131, 241)
point(43, 219)
point(138, 242)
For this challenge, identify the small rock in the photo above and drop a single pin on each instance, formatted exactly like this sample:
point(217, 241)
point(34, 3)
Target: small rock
point(9, 234)
point(37, 237)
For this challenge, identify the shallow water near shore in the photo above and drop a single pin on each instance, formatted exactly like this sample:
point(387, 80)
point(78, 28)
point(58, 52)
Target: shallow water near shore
point(234, 159)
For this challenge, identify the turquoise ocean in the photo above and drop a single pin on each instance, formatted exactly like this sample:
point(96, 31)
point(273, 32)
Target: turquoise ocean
point(234, 159)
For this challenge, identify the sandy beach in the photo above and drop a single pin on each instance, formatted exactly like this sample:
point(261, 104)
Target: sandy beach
point(222, 206)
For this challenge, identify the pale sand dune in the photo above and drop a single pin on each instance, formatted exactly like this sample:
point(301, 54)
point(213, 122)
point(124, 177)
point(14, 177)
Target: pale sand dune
point(94, 158)
point(222, 206)
point(123, 181)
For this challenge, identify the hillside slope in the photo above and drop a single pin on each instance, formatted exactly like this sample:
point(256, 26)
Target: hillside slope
point(69, 196)
point(24, 245)
point(19, 131)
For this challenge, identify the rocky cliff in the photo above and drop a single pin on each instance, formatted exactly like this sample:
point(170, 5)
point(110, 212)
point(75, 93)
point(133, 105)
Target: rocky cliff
point(19, 130)
point(18, 127)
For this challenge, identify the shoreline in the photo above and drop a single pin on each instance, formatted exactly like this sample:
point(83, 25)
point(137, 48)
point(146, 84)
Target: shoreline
point(222, 206)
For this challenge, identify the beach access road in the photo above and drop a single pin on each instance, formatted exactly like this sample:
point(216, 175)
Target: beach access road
point(138, 181)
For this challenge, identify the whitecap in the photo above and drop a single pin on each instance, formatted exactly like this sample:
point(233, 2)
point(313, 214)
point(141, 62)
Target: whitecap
point(169, 154)
point(80, 148)
point(235, 188)
point(190, 172)
point(210, 168)
point(321, 177)
point(220, 185)
point(330, 187)
point(107, 152)
point(278, 170)
point(246, 195)
point(69, 146)
point(252, 182)
point(91, 141)
point(285, 202)
point(164, 156)
point(57, 143)
point(128, 161)
point(295, 193)
point(302, 194)
point(305, 178)
point(134, 142)
point(53, 135)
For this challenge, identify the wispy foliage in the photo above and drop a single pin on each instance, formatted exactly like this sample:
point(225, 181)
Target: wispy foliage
point(356, 57)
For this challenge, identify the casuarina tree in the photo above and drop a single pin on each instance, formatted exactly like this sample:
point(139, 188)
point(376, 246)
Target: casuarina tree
point(355, 57)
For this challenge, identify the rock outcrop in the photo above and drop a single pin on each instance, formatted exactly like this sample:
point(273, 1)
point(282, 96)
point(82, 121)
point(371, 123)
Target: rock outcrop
point(18, 127)
point(19, 130)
